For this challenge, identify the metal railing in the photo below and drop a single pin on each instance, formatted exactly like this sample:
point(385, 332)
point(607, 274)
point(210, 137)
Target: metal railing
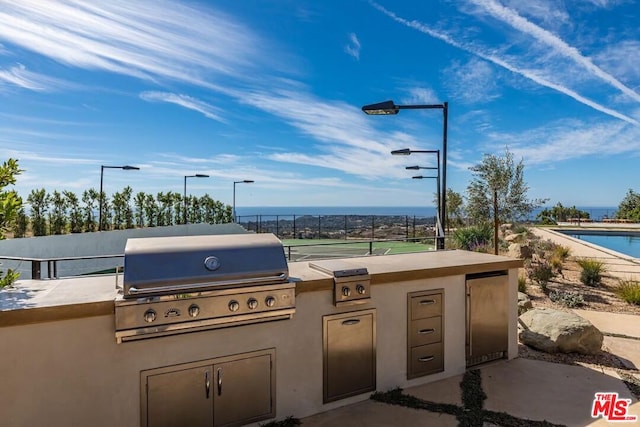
point(52, 264)
point(360, 247)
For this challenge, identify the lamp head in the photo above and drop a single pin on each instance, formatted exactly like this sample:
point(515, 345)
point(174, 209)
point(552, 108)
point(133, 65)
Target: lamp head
point(381, 108)
point(403, 152)
point(201, 175)
point(130, 168)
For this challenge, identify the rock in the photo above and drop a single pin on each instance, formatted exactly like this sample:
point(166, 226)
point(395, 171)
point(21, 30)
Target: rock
point(555, 331)
point(524, 303)
point(511, 238)
point(517, 250)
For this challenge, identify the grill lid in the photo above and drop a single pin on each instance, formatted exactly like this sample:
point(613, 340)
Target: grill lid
point(164, 265)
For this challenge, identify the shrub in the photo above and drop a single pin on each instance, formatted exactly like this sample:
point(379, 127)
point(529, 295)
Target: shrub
point(522, 284)
point(568, 299)
point(629, 291)
point(9, 278)
point(562, 252)
point(472, 238)
point(521, 229)
point(592, 270)
point(541, 273)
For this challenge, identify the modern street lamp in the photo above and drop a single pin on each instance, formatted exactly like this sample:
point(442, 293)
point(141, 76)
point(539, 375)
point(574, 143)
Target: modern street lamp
point(244, 181)
point(437, 177)
point(198, 175)
point(389, 107)
point(102, 168)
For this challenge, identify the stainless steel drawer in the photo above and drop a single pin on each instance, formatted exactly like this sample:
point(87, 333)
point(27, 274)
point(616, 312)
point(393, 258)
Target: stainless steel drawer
point(426, 359)
point(426, 306)
point(426, 331)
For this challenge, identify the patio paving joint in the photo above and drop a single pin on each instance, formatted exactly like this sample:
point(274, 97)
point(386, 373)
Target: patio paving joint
point(471, 414)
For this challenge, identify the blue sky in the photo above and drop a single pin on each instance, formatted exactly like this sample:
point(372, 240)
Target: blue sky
point(271, 90)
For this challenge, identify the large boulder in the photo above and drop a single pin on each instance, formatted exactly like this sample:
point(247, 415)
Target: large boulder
point(555, 331)
point(517, 250)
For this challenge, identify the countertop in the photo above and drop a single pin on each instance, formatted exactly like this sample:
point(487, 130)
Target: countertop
point(35, 301)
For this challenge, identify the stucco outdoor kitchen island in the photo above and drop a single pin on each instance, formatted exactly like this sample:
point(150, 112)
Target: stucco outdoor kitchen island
point(62, 366)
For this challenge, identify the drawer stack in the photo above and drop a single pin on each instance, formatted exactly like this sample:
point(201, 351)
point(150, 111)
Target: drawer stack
point(424, 333)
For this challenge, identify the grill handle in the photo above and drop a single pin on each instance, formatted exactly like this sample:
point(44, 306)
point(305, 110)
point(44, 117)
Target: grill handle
point(192, 287)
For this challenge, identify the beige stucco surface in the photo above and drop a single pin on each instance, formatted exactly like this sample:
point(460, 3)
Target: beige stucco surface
point(72, 372)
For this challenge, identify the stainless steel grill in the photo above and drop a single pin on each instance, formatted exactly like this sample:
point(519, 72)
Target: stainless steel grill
point(192, 283)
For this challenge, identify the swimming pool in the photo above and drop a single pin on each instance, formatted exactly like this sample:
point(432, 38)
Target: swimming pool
point(626, 242)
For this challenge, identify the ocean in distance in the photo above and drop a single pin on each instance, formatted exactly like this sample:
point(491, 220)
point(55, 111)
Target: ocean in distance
point(596, 213)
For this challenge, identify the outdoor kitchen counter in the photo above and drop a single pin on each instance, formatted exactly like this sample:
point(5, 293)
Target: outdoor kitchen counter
point(405, 267)
point(36, 301)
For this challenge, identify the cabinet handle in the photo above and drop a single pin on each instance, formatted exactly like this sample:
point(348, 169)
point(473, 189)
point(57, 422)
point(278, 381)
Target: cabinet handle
point(219, 381)
point(351, 322)
point(207, 383)
point(426, 359)
point(427, 302)
point(426, 331)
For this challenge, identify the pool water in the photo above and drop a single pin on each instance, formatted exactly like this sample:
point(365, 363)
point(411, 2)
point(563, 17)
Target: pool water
point(627, 243)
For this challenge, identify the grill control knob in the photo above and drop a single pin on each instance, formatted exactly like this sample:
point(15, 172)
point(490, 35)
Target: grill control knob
point(234, 305)
point(346, 291)
point(361, 289)
point(252, 303)
point(194, 310)
point(270, 301)
point(149, 315)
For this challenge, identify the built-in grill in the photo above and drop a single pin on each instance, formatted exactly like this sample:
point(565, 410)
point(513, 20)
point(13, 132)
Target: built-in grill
point(192, 283)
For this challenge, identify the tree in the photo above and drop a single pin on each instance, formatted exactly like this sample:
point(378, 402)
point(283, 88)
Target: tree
point(39, 201)
point(629, 207)
point(58, 216)
point(75, 212)
point(559, 213)
point(90, 200)
point(502, 178)
point(455, 209)
point(139, 203)
point(21, 223)
point(10, 202)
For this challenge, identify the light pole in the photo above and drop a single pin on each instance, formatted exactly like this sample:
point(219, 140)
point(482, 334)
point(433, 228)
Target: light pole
point(198, 175)
point(389, 107)
point(244, 181)
point(437, 177)
point(102, 168)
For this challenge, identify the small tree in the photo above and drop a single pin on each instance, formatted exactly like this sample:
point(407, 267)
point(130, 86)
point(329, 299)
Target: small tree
point(39, 201)
point(10, 202)
point(498, 192)
point(629, 207)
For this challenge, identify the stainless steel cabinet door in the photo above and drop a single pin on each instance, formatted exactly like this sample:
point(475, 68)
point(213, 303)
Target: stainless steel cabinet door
point(180, 398)
point(242, 390)
point(349, 354)
point(487, 317)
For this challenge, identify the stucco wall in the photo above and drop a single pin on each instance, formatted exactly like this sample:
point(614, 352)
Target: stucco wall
point(72, 372)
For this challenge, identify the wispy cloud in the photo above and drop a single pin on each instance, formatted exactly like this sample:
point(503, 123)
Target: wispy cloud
point(473, 82)
point(420, 95)
point(185, 101)
point(21, 77)
point(564, 140)
point(353, 47)
point(149, 40)
point(520, 23)
point(493, 58)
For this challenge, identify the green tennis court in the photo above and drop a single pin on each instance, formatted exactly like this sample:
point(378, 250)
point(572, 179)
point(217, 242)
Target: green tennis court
point(305, 249)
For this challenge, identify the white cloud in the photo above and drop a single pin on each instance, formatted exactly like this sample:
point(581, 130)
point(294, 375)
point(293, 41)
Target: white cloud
point(353, 47)
point(421, 95)
point(185, 101)
point(561, 47)
point(143, 39)
point(21, 77)
point(497, 60)
point(556, 142)
point(472, 83)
